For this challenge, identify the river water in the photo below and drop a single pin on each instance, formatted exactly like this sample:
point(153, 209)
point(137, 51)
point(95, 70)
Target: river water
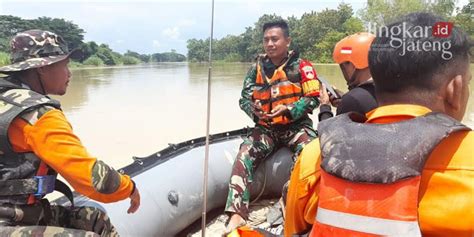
point(120, 112)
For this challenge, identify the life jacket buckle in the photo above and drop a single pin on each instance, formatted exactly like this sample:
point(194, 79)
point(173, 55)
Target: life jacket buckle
point(45, 184)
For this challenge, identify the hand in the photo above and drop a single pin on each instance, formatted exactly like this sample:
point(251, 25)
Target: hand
point(335, 102)
point(278, 111)
point(258, 111)
point(134, 201)
point(323, 95)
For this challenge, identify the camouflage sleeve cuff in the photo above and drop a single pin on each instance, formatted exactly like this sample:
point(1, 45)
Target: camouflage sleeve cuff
point(245, 101)
point(105, 179)
point(302, 107)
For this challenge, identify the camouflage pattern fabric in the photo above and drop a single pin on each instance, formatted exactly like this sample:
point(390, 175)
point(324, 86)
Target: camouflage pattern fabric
point(105, 179)
point(78, 221)
point(37, 48)
point(43, 231)
point(252, 152)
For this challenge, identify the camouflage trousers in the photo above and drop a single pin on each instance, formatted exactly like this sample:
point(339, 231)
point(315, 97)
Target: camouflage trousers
point(255, 148)
point(64, 221)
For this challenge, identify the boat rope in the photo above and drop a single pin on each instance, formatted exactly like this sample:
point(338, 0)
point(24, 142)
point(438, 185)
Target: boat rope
point(208, 118)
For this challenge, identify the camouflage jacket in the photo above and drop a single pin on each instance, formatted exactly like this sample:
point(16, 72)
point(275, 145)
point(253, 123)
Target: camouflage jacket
point(298, 110)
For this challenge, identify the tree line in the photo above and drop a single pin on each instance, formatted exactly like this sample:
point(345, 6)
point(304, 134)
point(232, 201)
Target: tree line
point(314, 34)
point(94, 54)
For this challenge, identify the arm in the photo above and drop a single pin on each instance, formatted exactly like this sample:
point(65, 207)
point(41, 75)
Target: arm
point(310, 86)
point(52, 139)
point(302, 197)
point(245, 101)
point(325, 110)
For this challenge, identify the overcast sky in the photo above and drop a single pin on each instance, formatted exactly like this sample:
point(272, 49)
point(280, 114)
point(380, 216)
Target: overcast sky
point(151, 26)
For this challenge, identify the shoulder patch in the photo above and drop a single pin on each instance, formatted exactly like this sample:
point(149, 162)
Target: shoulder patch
point(105, 179)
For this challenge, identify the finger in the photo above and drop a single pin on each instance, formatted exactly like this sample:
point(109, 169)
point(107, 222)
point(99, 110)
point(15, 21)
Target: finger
point(270, 116)
point(133, 207)
point(323, 88)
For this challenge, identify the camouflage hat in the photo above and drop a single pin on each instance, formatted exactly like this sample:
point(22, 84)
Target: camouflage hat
point(37, 48)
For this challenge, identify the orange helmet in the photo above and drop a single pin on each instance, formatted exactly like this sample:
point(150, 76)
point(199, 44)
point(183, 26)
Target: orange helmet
point(355, 49)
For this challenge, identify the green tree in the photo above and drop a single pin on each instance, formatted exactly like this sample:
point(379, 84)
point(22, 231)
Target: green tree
point(464, 19)
point(4, 59)
point(172, 56)
point(314, 28)
point(383, 12)
point(10, 26)
point(142, 57)
point(70, 32)
point(88, 49)
point(198, 50)
point(324, 48)
point(107, 55)
point(94, 61)
point(130, 60)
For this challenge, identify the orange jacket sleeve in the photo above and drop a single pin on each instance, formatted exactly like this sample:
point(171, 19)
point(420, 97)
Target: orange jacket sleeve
point(446, 199)
point(302, 197)
point(51, 138)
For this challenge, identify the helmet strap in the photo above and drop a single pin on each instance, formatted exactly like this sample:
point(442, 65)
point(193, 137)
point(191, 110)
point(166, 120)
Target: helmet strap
point(41, 84)
point(352, 83)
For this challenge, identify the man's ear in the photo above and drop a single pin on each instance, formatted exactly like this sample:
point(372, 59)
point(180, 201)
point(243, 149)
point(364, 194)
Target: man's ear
point(454, 92)
point(289, 41)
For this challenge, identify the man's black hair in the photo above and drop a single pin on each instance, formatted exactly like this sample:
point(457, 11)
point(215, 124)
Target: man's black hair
point(278, 23)
point(395, 70)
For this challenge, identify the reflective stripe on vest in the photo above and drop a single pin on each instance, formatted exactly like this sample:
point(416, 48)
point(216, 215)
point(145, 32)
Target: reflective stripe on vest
point(372, 225)
point(275, 91)
point(368, 188)
point(393, 203)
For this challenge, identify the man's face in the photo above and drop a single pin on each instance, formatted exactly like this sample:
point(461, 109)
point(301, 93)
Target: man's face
point(348, 69)
point(275, 43)
point(56, 77)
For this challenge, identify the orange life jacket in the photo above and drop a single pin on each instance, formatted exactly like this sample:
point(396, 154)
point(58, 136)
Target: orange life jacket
point(278, 90)
point(374, 192)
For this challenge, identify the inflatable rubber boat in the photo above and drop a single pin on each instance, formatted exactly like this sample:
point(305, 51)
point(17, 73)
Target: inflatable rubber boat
point(170, 183)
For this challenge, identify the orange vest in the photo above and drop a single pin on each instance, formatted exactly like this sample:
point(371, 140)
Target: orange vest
point(374, 192)
point(277, 90)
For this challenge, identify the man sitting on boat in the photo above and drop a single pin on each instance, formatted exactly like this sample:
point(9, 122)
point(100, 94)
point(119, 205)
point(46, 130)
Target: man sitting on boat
point(407, 168)
point(37, 143)
point(351, 53)
point(278, 93)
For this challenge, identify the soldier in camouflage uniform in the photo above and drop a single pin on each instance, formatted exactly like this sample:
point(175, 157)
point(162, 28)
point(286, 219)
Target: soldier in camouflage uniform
point(278, 93)
point(37, 143)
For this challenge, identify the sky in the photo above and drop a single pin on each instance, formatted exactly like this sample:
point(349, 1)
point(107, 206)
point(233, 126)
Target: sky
point(153, 26)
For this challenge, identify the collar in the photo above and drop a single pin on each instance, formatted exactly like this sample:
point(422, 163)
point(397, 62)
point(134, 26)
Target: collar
point(368, 81)
point(395, 113)
point(268, 62)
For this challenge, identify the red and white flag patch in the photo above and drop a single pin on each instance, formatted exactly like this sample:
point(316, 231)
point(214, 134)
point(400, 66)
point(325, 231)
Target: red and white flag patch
point(346, 50)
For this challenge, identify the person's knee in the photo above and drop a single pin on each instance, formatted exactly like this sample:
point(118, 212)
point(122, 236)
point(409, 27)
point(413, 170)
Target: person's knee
point(91, 219)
